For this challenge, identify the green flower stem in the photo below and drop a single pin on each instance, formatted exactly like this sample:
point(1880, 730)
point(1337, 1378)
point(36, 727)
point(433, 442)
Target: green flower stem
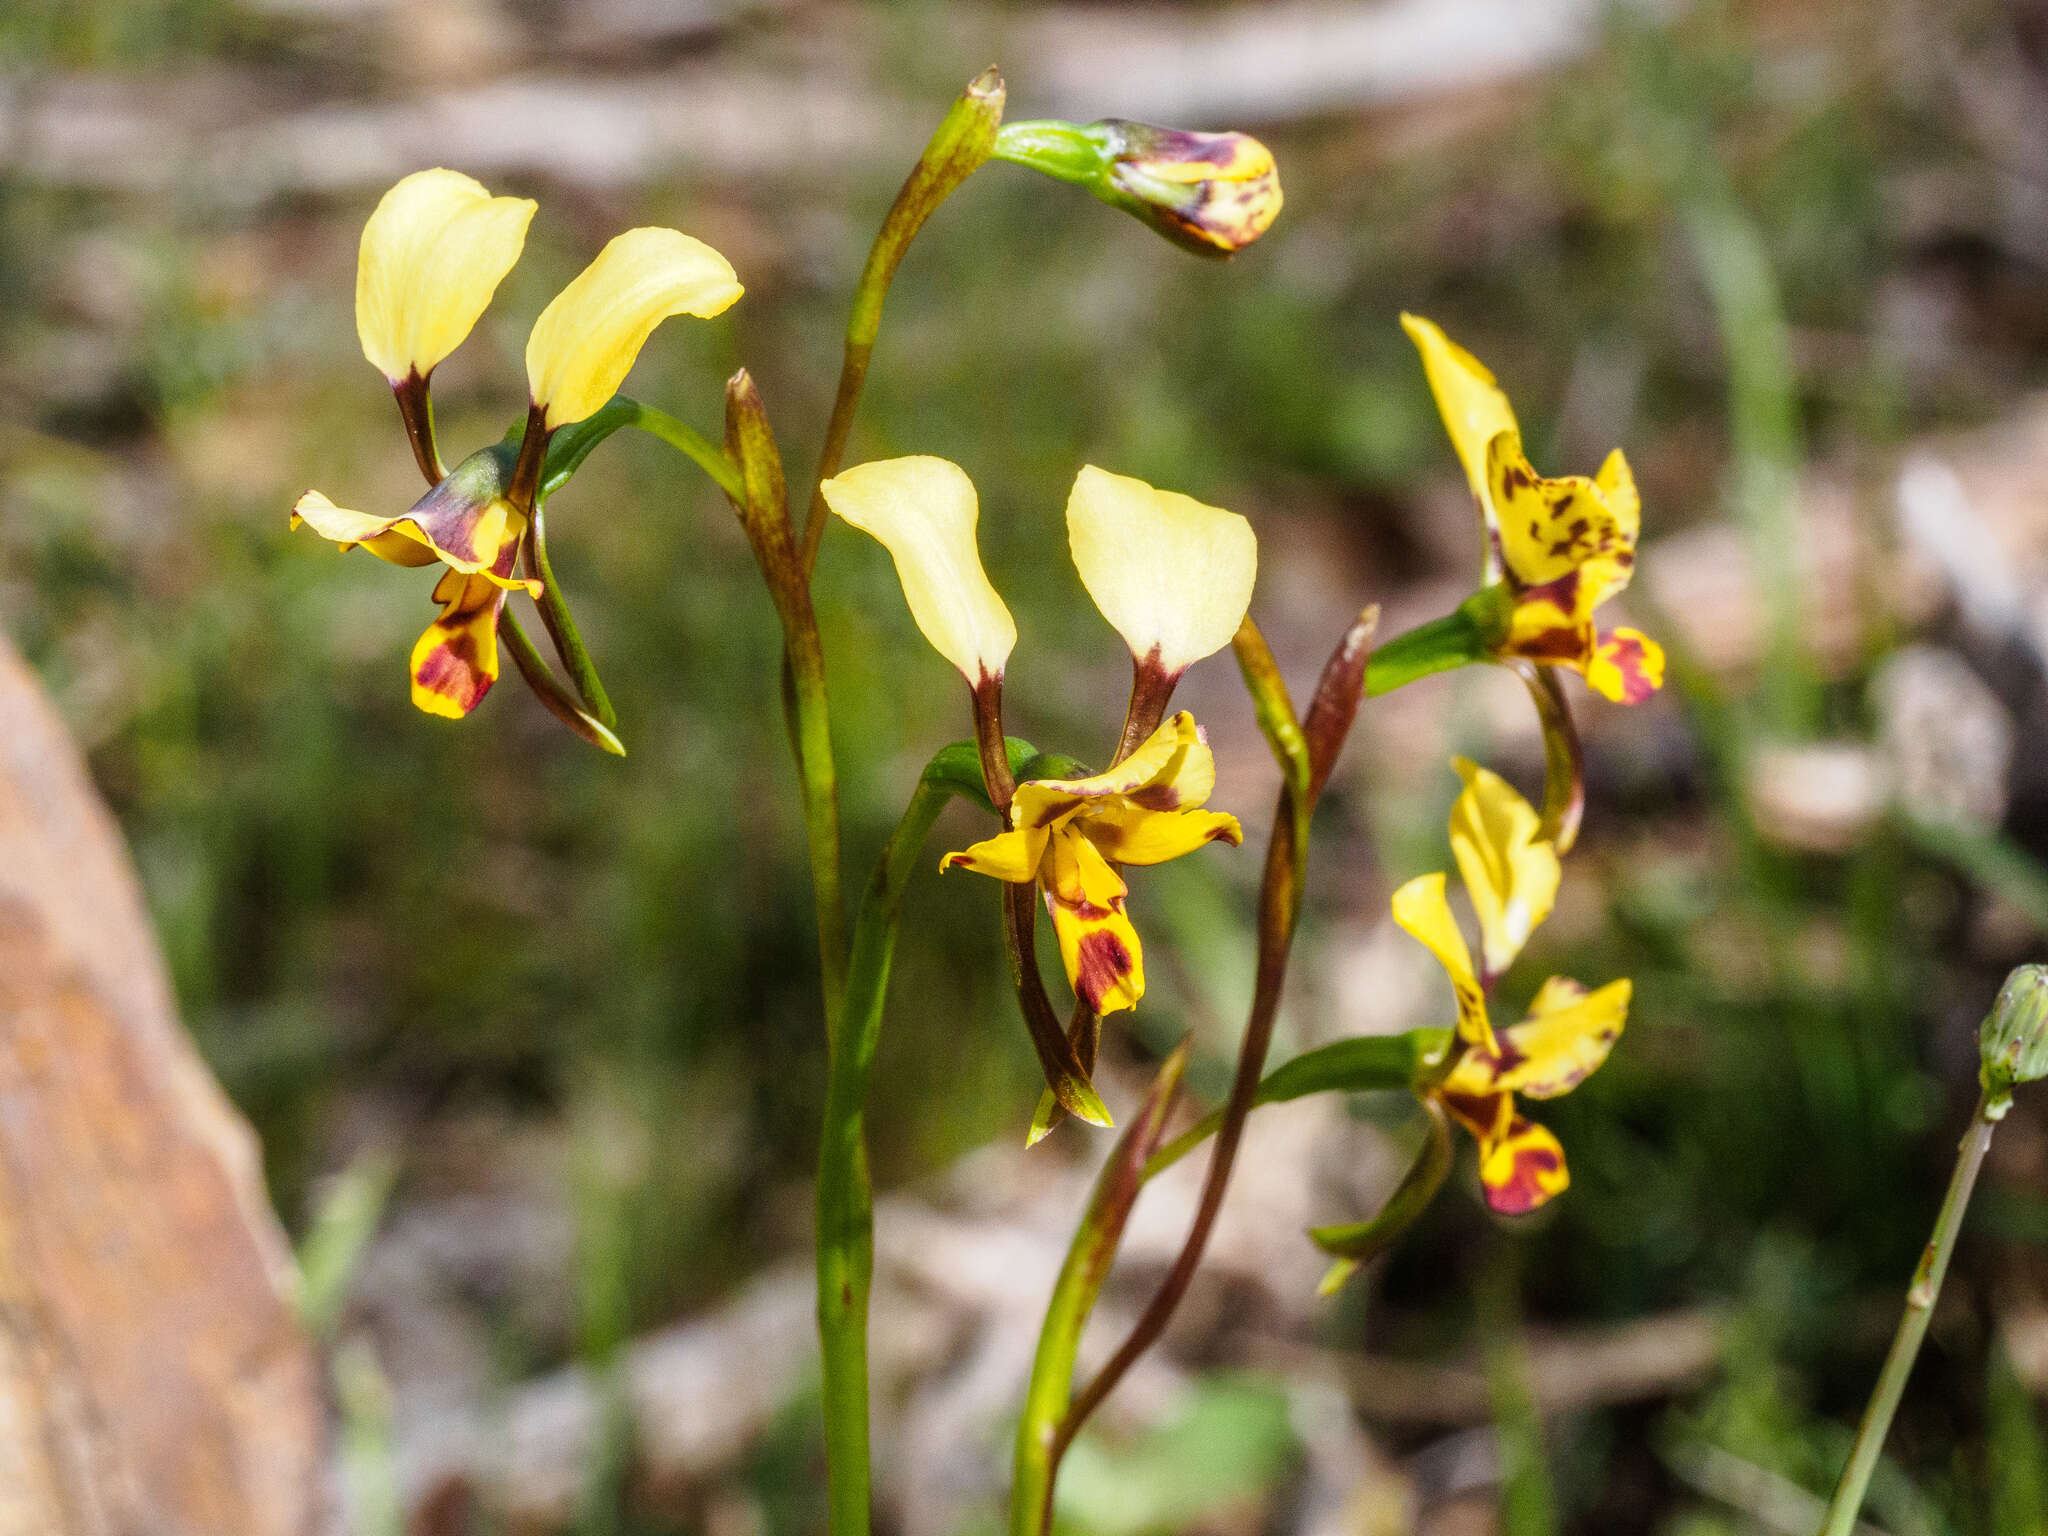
point(763, 507)
point(846, 1206)
point(572, 444)
point(566, 450)
point(1357, 1243)
point(1073, 1298)
point(561, 624)
point(1307, 748)
point(687, 440)
point(957, 150)
point(1920, 1299)
point(549, 690)
point(1455, 640)
point(1364, 1064)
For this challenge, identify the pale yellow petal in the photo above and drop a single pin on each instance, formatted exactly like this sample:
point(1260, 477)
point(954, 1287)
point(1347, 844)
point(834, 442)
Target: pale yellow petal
point(1510, 874)
point(344, 525)
point(1421, 907)
point(1473, 407)
point(432, 254)
point(585, 341)
point(924, 512)
point(1173, 576)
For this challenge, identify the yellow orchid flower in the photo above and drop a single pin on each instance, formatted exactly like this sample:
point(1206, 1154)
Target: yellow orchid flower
point(466, 524)
point(1561, 546)
point(1069, 834)
point(924, 512)
point(1565, 1038)
point(586, 340)
point(1511, 877)
point(432, 254)
point(1172, 576)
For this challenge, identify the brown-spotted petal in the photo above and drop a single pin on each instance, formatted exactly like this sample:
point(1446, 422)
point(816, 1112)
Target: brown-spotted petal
point(1098, 946)
point(1564, 1040)
point(1523, 1169)
point(456, 660)
point(1128, 834)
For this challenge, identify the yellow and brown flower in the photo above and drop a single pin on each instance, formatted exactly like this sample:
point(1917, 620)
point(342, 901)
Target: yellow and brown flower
point(468, 525)
point(432, 255)
point(1561, 547)
point(1565, 1038)
point(1070, 834)
point(1511, 877)
point(1214, 193)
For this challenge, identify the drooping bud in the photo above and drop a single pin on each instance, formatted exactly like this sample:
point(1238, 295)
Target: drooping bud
point(1210, 193)
point(2012, 1042)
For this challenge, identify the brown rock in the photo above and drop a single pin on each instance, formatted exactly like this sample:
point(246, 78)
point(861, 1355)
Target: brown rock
point(152, 1380)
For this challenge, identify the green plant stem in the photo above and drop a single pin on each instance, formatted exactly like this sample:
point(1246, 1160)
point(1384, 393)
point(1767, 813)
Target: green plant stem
point(957, 150)
point(1363, 1064)
point(846, 1232)
point(549, 689)
point(1920, 1299)
point(685, 439)
point(1073, 1298)
point(763, 507)
point(1306, 747)
point(561, 624)
point(1459, 638)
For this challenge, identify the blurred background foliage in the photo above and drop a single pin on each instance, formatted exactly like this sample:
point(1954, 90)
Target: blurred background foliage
point(1768, 249)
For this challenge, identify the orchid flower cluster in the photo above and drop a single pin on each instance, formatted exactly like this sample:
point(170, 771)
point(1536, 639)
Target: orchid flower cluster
point(1174, 577)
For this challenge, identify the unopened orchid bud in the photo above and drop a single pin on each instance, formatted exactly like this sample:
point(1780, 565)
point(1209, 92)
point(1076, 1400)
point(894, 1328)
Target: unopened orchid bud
point(1211, 193)
point(2013, 1040)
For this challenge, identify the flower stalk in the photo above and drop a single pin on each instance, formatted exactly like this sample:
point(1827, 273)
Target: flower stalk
point(1920, 1299)
point(2012, 1047)
point(1073, 1298)
point(958, 149)
point(1307, 750)
point(764, 514)
point(845, 1218)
